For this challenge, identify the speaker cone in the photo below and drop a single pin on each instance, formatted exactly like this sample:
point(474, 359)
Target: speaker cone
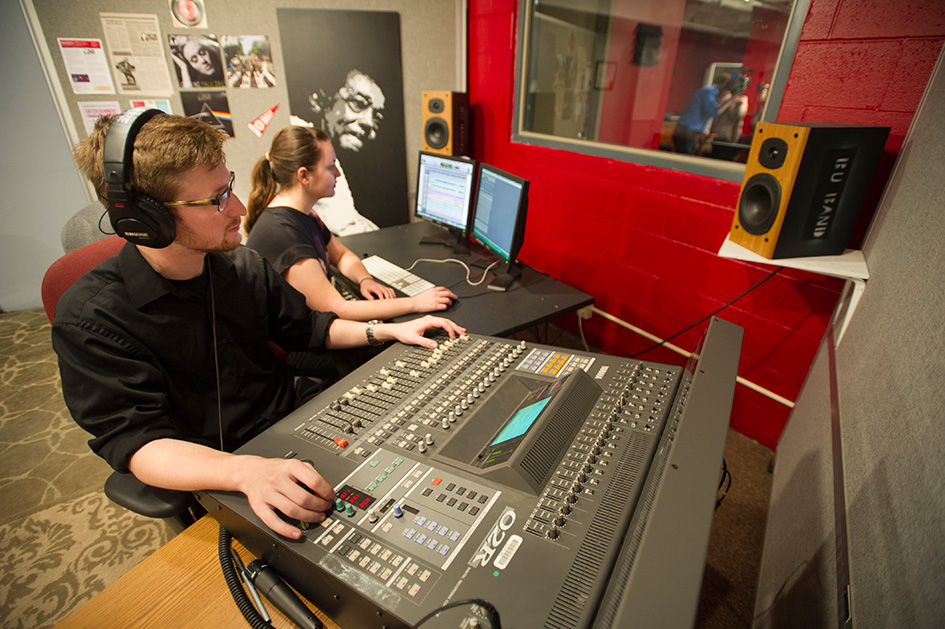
point(436, 132)
point(759, 203)
point(436, 106)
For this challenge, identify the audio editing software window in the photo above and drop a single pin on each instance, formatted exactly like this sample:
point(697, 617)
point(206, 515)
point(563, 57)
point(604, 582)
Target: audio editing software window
point(445, 187)
point(497, 205)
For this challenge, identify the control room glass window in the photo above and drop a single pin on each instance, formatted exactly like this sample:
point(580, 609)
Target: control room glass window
point(624, 76)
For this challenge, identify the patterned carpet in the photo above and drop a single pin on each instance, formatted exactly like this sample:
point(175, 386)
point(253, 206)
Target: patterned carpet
point(61, 540)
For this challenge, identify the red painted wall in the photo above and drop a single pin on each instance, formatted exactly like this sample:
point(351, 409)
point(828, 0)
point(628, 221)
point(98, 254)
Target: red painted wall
point(643, 240)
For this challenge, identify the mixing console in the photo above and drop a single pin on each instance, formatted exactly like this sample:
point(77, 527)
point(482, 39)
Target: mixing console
point(483, 474)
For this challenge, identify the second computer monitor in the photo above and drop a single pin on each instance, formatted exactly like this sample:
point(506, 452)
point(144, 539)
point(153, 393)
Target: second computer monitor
point(499, 215)
point(445, 186)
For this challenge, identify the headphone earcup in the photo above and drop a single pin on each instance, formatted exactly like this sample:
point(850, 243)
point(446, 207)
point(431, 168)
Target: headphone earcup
point(144, 221)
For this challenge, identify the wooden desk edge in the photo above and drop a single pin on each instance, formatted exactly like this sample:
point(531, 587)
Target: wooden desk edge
point(180, 585)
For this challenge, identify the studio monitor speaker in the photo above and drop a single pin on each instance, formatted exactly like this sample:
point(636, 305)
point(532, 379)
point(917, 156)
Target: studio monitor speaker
point(445, 122)
point(804, 186)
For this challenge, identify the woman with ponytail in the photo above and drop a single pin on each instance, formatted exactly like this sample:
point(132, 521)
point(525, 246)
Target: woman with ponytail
point(298, 170)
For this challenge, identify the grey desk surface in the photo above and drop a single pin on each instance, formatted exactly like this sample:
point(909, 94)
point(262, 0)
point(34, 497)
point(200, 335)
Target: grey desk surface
point(534, 298)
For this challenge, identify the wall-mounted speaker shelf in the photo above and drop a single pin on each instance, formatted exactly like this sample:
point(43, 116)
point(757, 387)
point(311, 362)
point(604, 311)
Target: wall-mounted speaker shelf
point(850, 265)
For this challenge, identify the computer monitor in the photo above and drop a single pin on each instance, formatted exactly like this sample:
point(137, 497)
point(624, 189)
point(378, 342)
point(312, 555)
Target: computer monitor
point(499, 219)
point(445, 186)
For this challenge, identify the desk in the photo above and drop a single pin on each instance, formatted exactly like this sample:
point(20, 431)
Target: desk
point(534, 298)
point(181, 585)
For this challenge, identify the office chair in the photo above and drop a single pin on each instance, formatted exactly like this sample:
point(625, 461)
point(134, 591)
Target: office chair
point(122, 488)
point(83, 227)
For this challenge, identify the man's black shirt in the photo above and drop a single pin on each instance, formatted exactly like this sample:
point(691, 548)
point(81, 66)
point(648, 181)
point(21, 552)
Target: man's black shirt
point(136, 351)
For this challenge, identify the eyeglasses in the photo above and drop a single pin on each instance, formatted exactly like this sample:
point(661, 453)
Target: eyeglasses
point(359, 103)
point(219, 201)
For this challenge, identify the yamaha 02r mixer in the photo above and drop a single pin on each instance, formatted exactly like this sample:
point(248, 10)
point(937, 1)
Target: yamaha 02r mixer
point(559, 488)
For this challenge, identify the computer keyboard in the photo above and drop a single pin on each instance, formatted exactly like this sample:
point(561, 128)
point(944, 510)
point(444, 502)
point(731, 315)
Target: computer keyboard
point(342, 287)
point(395, 276)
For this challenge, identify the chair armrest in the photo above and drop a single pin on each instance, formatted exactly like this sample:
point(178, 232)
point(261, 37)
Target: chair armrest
point(126, 490)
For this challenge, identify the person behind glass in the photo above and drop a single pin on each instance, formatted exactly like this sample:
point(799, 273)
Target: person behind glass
point(702, 107)
point(733, 107)
point(298, 170)
point(164, 353)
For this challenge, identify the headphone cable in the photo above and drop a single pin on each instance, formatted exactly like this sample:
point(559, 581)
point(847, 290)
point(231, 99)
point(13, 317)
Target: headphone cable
point(216, 358)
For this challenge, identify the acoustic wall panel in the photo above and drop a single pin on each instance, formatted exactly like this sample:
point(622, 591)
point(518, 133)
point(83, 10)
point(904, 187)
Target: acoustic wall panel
point(889, 392)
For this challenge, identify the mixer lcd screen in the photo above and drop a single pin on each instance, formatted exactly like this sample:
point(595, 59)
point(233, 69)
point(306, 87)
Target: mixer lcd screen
point(525, 416)
point(521, 421)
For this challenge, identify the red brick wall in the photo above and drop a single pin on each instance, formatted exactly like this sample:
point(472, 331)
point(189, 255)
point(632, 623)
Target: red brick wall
point(643, 240)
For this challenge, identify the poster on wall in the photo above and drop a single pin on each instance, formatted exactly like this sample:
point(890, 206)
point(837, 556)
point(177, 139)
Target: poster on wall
point(197, 60)
point(136, 53)
point(86, 65)
point(210, 107)
point(344, 75)
point(161, 103)
point(93, 110)
point(248, 61)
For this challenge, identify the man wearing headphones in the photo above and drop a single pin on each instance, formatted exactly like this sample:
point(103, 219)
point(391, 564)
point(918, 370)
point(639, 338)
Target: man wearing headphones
point(163, 349)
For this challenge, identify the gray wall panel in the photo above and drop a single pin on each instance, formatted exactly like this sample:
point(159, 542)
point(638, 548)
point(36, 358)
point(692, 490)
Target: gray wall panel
point(798, 565)
point(891, 368)
point(890, 372)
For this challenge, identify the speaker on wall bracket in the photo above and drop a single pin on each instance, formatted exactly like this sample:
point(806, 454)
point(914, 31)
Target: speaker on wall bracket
point(445, 121)
point(804, 186)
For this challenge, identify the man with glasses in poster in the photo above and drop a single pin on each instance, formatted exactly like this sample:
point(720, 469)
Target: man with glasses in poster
point(351, 117)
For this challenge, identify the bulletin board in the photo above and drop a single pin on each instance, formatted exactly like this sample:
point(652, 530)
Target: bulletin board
point(115, 54)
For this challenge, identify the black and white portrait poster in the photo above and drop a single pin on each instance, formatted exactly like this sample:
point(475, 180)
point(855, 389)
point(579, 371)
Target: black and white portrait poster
point(197, 60)
point(343, 74)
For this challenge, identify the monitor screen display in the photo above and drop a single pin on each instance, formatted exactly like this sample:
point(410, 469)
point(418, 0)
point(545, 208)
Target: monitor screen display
point(499, 218)
point(445, 189)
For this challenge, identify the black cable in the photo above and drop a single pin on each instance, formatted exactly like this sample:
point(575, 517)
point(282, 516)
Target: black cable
point(233, 583)
point(491, 612)
point(726, 475)
point(102, 229)
point(216, 357)
point(708, 316)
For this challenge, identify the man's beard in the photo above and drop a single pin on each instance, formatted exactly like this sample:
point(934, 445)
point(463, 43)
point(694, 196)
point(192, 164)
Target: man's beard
point(187, 238)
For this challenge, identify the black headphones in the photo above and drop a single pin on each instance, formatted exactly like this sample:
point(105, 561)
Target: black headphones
point(135, 216)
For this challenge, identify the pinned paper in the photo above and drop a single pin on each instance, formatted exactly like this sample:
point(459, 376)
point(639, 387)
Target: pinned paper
point(258, 126)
